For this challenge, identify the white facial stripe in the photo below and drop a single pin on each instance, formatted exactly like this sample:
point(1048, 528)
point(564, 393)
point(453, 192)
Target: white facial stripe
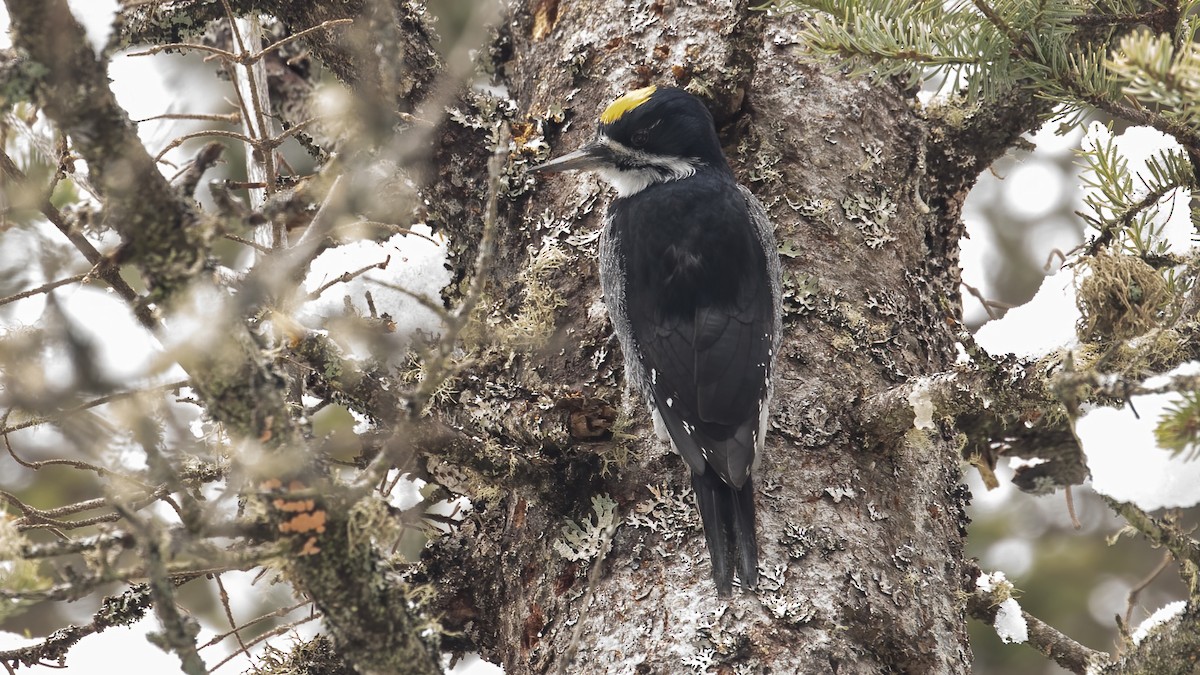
point(650, 169)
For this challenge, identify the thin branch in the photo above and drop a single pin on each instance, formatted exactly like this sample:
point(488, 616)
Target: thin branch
point(275, 632)
point(1140, 586)
point(1018, 40)
point(37, 519)
point(1185, 549)
point(391, 227)
point(988, 305)
point(182, 46)
point(120, 610)
point(201, 134)
point(229, 613)
point(348, 277)
point(445, 316)
point(231, 118)
point(44, 288)
point(246, 242)
point(5, 430)
point(1071, 509)
point(74, 463)
point(1111, 226)
point(302, 34)
point(280, 612)
point(216, 560)
point(243, 57)
point(1061, 648)
point(103, 267)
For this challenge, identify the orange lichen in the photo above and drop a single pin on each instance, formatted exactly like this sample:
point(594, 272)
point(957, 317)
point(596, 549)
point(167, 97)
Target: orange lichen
point(305, 522)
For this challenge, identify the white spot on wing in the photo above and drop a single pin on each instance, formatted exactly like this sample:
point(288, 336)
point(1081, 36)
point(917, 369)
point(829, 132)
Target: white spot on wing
point(670, 402)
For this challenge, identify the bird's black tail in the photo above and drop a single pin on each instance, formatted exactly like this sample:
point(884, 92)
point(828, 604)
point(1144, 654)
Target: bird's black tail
point(728, 515)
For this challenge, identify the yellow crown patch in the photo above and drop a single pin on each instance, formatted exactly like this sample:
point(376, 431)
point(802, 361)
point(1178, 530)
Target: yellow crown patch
point(617, 109)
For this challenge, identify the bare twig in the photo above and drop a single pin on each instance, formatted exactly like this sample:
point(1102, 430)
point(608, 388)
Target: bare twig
point(393, 228)
point(44, 288)
point(425, 302)
point(229, 613)
point(1071, 509)
point(348, 277)
point(246, 242)
point(1144, 583)
point(988, 305)
point(182, 46)
point(8, 429)
point(231, 118)
point(281, 611)
point(1184, 548)
point(245, 56)
point(201, 134)
point(39, 519)
point(275, 632)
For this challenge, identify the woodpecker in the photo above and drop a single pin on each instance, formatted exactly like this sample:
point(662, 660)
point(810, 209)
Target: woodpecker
point(691, 281)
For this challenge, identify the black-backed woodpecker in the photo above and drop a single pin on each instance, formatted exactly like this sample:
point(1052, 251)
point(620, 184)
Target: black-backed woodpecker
point(691, 281)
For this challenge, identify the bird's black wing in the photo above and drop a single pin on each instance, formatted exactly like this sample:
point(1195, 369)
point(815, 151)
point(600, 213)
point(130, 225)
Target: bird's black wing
point(700, 306)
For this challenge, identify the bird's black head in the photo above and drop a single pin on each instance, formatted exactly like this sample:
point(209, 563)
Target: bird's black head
point(650, 135)
point(663, 121)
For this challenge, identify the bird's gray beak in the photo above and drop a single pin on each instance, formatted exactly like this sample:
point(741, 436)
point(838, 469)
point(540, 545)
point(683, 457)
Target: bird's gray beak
point(590, 156)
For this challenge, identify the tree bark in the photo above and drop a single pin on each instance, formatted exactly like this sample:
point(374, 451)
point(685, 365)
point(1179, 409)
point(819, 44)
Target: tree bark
point(862, 538)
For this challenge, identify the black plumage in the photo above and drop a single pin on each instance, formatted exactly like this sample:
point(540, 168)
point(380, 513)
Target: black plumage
point(690, 276)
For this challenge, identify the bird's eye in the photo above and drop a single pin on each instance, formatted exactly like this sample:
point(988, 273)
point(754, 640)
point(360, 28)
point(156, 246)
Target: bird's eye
point(640, 137)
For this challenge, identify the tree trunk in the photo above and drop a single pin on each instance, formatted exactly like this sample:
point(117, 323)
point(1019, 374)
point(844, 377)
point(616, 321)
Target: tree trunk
point(861, 536)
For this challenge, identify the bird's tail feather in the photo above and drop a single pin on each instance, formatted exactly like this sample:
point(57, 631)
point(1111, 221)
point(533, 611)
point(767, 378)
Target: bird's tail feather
point(728, 516)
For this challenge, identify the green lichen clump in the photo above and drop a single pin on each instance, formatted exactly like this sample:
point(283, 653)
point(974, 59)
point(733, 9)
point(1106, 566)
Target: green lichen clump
point(1121, 298)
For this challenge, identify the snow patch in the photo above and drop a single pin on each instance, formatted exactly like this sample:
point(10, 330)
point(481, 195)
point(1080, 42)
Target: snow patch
point(1163, 615)
point(922, 404)
point(410, 265)
point(1126, 463)
point(1015, 463)
point(1044, 324)
point(1010, 624)
point(987, 582)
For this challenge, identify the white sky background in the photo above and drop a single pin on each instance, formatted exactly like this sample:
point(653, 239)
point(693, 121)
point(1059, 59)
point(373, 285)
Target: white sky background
point(1123, 457)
